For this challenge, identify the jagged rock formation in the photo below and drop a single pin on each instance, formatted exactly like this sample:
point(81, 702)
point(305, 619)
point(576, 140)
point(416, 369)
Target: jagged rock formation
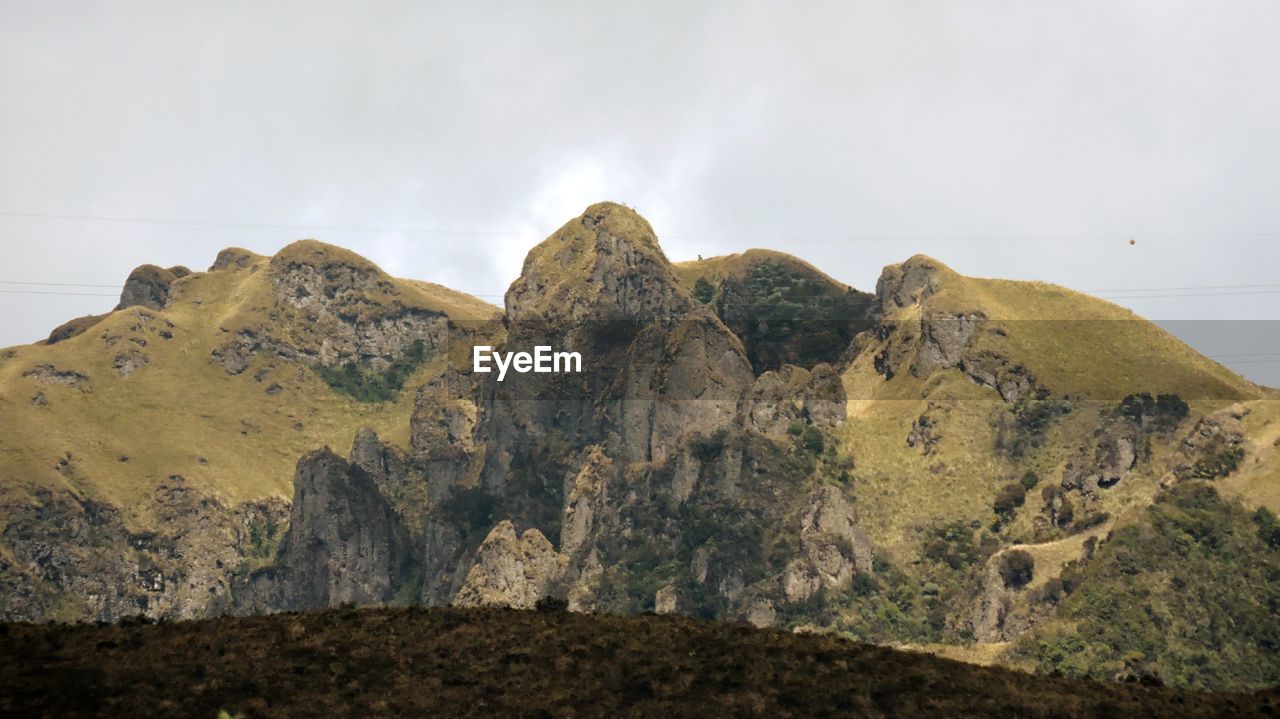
point(716, 456)
point(511, 571)
point(833, 547)
point(345, 543)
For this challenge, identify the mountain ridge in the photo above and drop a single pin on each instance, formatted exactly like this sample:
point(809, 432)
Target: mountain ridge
point(751, 440)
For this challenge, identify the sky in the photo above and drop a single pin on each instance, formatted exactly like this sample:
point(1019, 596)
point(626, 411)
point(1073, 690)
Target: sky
point(443, 140)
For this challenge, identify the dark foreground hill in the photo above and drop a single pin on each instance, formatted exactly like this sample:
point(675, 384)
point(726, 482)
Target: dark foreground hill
point(503, 662)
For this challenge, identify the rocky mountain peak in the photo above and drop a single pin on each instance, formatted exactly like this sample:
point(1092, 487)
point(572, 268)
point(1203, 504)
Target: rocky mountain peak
point(604, 264)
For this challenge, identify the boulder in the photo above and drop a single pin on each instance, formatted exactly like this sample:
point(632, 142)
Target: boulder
point(150, 286)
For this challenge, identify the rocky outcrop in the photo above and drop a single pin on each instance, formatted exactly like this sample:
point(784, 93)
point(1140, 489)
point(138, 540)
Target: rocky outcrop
point(656, 365)
point(1012, 381)
point(586, 499)
point(924, 434)
point(49, 374)
point(332, 308)
point(944, 340)
point(150, 286)
point(693, 380)
point(130, 361)
point(345, 543)
point(938, 340)
point(993, 605)
point(779, 400)
point(1214, 447)
point(908, 283)
point(442, 431)
point(511, 571)
point(1105, 463)
point(74, 328)
point(75, 557)
point(232, 258)
point(354, 312)
point(604, 265)
point(833, 546)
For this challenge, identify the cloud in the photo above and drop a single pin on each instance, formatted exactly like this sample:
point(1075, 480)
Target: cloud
point(912, 126)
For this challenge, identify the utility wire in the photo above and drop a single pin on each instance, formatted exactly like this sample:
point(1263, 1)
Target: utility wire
point(709, 238)
point(44, 292)
point(56, 284)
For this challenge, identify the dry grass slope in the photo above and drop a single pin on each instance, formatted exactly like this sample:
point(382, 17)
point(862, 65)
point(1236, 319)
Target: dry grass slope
point(116, 437)
point(453, 662)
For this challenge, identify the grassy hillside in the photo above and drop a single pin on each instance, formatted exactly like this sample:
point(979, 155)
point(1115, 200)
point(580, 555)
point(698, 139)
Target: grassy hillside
point(933, 454)
point(1154, 599)
point(450, 662)
point(1077, 344)
point(114, 437)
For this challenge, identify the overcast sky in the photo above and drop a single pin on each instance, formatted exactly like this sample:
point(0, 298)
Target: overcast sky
point(1026, 140)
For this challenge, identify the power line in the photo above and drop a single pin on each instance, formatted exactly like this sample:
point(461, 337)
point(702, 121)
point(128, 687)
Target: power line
point(1170, 289)
point(1191, 294)
point(56, 284)
point(1247, 355)
point(255, 225)
point(695, 237)
point(43, 292)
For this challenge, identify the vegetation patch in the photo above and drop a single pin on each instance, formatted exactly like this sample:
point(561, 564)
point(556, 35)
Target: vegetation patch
point(366, 385)
point(1189, 594)
point(494, 662)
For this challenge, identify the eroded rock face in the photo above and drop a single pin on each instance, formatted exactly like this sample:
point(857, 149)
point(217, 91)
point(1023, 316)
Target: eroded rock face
point(907, 284)
point(995, 600)
point(694, 382)
point(937, 340)
point(336, 309)
point(345, 543)
point(586, 498)
point(791, 395)
point(511, 571)
point(656, 365)
point(604, 265)
point(834, 547)
point(351, 309)
point(1012, 381)
point(74, 557)
point(1214, 447)
point(944, 340)
point(1104, 464)
point(442, 431)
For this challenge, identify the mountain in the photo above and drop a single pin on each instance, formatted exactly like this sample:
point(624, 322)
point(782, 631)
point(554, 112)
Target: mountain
point(1002, 472)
